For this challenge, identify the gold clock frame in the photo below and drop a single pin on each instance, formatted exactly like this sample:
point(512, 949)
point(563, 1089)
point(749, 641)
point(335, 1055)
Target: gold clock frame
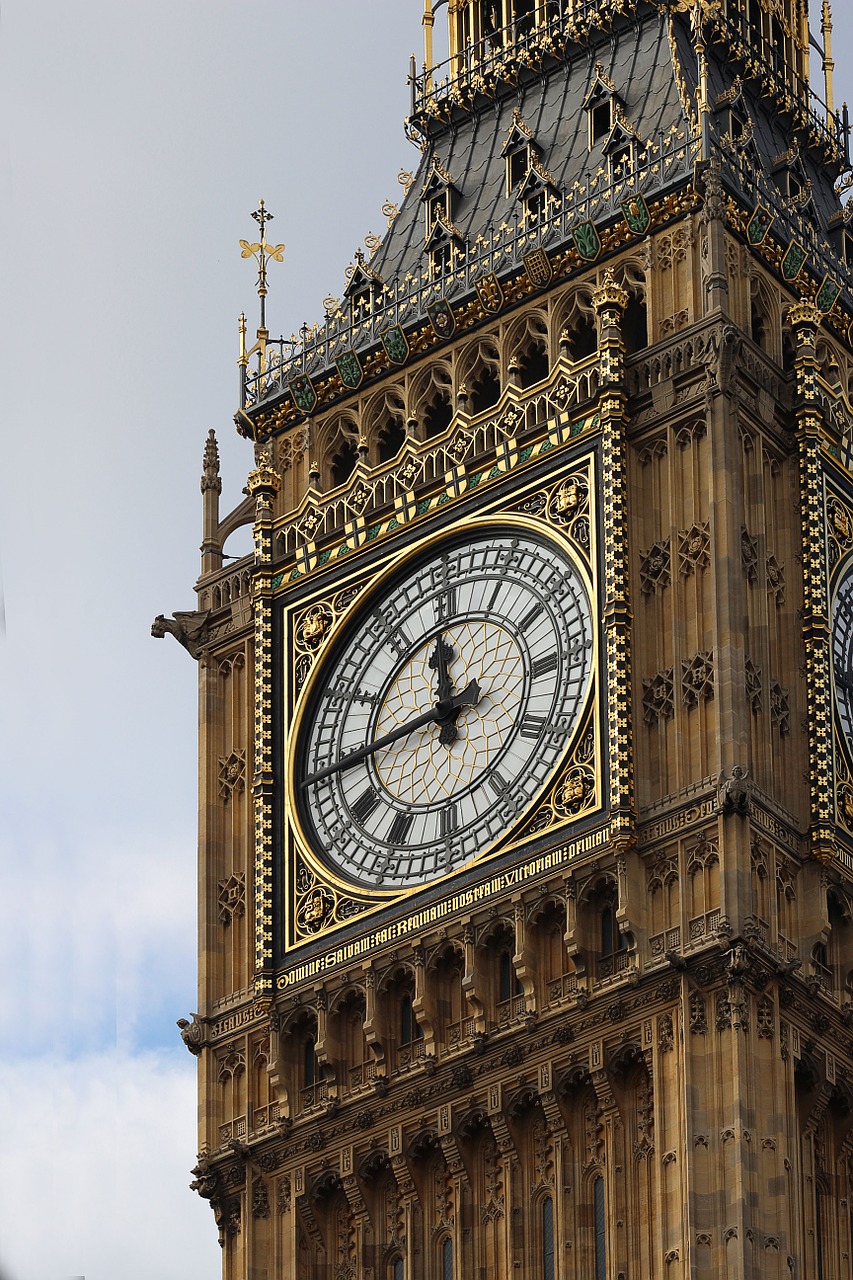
point(315, 901)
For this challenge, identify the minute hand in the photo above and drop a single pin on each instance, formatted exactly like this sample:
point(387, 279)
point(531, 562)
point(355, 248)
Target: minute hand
point(442, 711)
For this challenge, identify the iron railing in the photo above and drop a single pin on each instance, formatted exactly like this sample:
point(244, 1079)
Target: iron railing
point(500, 52)
point(663, 162)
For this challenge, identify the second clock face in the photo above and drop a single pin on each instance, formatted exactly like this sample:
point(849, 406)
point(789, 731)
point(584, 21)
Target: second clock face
point(439, 716)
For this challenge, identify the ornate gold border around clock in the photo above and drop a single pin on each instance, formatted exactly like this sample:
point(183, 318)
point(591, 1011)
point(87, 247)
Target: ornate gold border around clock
point(320, 901)
point(555, 433)
point(839, 557)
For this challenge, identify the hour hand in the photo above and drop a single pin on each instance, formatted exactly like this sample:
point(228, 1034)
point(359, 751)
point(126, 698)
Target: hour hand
point(442, 655)
point(444, 712)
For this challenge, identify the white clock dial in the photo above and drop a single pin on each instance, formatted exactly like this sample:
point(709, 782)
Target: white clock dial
point(438, 717)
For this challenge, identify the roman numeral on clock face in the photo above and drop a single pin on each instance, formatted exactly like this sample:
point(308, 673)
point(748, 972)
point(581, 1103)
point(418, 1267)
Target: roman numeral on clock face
point(530, 616)
point(544, 664)
point(498, 782)
point(364, 805)
point(448, 820)
point(400, 828)
point(532, 726)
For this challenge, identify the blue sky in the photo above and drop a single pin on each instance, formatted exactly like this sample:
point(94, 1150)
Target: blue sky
point(137, 139)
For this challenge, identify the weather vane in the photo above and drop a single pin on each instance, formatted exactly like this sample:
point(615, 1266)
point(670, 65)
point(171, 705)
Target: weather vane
point(261, 252)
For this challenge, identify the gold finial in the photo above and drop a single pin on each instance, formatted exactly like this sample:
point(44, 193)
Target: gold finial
point(828, 60)
point(261, 252)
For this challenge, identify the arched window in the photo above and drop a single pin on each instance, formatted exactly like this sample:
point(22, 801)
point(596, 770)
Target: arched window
point(508, 983)
point(410, 1029)
point(611, 939)
point(342, 463)
point(548, 1272)
point(396, 1270)
point(635, 326)
point(600, 1230)
point(309, 1063)
point(447, 1259)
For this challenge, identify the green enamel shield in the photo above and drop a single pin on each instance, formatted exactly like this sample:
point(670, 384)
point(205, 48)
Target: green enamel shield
point(587, 240)
point(636, 213)
point(758, 225)
point(441, 318)
point(792, 263)
point(395, 344)
point(350, 370)
point(827, 294)
point(304, 395)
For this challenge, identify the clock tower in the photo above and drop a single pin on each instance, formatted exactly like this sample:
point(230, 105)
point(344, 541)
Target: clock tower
point(526, 730)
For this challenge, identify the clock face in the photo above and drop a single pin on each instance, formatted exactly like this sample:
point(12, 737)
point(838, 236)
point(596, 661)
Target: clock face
point(441, 712)
point(842, 654)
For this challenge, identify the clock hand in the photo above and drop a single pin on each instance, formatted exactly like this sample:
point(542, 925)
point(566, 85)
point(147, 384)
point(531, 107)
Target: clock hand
point(439, 660)
point(444, 712)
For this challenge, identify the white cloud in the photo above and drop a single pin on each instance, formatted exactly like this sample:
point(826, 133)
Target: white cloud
point(95, 1177)
point(108, 933)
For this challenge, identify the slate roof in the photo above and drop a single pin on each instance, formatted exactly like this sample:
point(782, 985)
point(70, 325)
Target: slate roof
point(655, 82)
point(640, 66)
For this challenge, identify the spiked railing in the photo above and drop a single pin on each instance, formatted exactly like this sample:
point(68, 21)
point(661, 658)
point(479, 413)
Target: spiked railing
point(506, 52)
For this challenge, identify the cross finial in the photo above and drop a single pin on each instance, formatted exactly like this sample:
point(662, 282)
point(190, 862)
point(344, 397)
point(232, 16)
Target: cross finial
point(262, 217)
point(262, 252)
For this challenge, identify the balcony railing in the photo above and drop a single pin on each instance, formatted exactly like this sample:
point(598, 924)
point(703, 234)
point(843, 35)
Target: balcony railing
point(562, 988)
point(362, 1077)
point(615, 965)
point(822, 976)
point(236, 1128)
point(265, 1117)
point(701, 927)
point(314, 1095)
point(660, 943)
point(459, 1032)
point(507, 1011)
point(409, 1055)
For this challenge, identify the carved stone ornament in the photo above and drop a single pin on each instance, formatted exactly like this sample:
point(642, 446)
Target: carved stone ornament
point(232, 774)
point(733, 792)
point(232, 897)
point(698, 1015)
point(694, 549)
point(654, 568)
point(260, 1199)
point(697, 679)
point(749, 554)
point(776, 580)
point(658, 696)
point(192, 1034)
point(780, 712)
point(754, 692)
